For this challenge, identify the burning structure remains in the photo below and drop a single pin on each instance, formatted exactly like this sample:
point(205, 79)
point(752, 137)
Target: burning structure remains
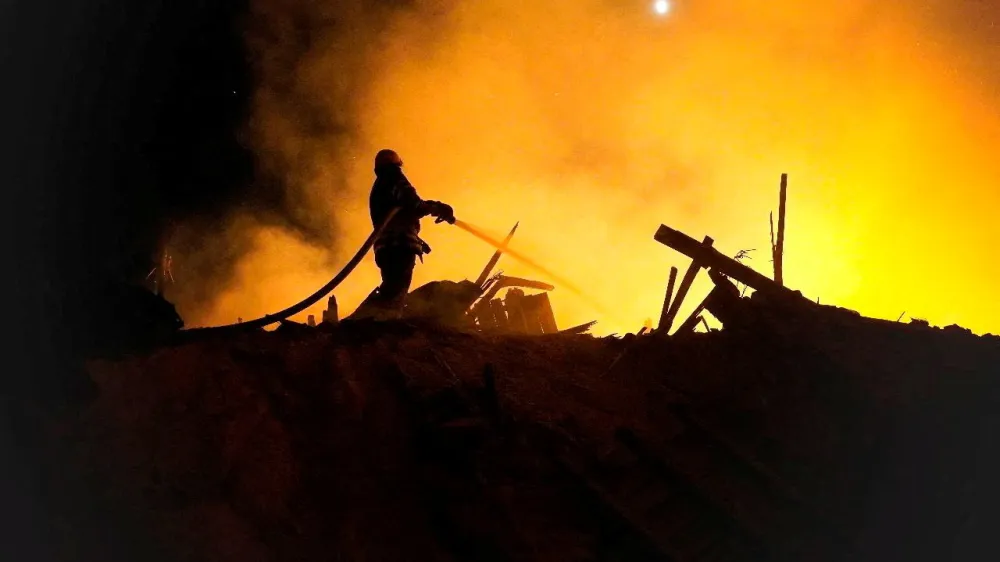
point(474, 429)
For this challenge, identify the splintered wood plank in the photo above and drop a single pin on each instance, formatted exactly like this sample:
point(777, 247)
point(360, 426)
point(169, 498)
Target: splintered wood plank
point(686, 282)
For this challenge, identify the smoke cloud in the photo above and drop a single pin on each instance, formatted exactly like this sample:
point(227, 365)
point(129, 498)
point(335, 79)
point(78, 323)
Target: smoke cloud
point(593, 121)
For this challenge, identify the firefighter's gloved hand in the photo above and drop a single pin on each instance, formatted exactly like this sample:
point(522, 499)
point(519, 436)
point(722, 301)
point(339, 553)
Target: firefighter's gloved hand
point(444, 213)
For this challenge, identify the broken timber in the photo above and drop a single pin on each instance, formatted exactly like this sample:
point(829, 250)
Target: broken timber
point(496, 257)
point(538, 315)
point(664, 313)
point(504, 282)
point(685, 286)
point(707, 256)
point(695, 317)
point(779, 246)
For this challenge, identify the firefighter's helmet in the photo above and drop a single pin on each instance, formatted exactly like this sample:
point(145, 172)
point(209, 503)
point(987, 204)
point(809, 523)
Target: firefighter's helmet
point(386, 158)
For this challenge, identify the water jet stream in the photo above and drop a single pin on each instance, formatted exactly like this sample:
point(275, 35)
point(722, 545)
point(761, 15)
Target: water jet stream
point(559, 280)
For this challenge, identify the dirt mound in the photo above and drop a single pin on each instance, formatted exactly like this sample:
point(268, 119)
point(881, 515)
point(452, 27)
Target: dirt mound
point(839, 438)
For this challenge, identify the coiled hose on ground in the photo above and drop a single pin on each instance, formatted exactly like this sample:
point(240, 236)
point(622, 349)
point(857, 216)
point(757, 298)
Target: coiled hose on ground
point(312, 299)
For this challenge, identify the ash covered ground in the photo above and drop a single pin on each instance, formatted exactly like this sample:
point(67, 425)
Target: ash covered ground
point(829, 438)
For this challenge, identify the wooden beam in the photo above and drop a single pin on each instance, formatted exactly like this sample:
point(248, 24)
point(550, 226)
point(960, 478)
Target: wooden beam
point(685, 286)
point(711, 258)
point(779, 247)
point(664, 313)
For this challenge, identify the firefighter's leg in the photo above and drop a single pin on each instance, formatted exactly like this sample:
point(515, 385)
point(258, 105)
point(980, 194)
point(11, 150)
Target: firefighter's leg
point(396, 265)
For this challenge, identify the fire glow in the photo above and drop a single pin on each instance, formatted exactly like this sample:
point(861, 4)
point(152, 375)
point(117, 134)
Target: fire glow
point(593, 128)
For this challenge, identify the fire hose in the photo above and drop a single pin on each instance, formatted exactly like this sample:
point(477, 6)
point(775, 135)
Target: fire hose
point(269, 319)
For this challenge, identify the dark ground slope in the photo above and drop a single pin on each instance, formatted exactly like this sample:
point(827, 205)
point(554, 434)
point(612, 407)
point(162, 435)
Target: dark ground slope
point(845, 439)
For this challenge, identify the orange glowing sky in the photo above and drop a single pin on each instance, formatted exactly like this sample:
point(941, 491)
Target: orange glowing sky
point(592, 122)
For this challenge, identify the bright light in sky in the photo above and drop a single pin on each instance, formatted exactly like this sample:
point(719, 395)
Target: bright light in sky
point(661, 7)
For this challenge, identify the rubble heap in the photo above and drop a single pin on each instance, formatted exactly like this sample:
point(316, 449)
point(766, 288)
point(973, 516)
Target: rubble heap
point(474, 430)
point(825, 436)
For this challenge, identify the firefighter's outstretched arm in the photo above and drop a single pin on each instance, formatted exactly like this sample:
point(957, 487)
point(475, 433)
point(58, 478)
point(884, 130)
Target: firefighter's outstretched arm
point(408, 199)
point(406, 196)
point(441, 211)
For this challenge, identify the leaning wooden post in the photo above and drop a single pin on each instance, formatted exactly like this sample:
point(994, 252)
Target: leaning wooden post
point(779, 247)
point(695, 317)
point(685, 286)
point(664, 313)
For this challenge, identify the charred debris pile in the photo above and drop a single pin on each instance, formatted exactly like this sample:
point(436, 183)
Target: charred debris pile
point(797, 432)
point(492, 304)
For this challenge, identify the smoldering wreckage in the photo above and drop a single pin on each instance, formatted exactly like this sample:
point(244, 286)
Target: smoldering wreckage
point(475, 429)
